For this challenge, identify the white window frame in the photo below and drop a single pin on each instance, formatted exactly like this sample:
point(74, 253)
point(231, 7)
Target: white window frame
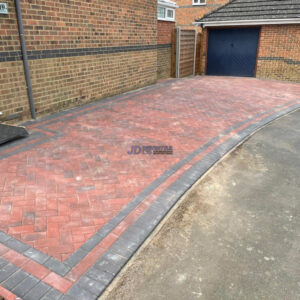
point(168, 6)
point(166, 18)
point(198, 3)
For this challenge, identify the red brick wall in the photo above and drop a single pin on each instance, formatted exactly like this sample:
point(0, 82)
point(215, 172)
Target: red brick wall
point(187, 12)
point(279, 52)
point(64, 24)
point(164, 32)
point(164, 51)
point(204, 51)
point(86, 69)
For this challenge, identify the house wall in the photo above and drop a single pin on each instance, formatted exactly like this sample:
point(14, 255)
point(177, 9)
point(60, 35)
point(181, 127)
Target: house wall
point(78, 52)
point(164, 48)
point(279, 52)
point(187, 13)
point(204, 51)
point(13, 93)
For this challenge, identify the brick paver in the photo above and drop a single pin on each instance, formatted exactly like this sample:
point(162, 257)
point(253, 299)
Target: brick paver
point(74, 205)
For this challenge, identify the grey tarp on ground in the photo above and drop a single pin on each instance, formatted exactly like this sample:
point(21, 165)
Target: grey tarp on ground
point(9, 133)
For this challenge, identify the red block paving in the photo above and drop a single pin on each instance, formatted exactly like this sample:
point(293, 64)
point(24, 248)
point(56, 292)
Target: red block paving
point(54, 196)
point(7, 295)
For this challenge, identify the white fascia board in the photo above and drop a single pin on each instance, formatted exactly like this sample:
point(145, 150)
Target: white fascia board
point(249, 22)
point(166, 3)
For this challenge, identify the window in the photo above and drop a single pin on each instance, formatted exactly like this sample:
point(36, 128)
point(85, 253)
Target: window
point(170, 13)
point(199, 2)
point(166, 10)
point(165, 13)
point(161, 12)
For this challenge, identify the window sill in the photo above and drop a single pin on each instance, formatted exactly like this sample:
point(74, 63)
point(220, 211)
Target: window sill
point(167, 20)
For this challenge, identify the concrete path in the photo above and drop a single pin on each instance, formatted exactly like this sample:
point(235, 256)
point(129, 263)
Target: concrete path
point(235, 235)
point(75, 204)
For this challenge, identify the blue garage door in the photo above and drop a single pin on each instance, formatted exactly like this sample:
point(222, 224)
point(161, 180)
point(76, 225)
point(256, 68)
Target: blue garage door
point(232, 52)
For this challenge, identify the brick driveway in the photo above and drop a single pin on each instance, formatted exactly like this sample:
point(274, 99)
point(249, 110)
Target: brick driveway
point(74, 205)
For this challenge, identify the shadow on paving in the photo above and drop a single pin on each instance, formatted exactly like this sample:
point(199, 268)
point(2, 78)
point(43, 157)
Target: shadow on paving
point(234, 235)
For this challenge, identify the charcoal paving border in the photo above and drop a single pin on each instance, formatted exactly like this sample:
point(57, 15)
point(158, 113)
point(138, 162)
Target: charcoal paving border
point(92, 284)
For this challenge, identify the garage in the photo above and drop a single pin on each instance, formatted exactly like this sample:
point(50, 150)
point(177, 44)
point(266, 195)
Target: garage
point(232, 52)
point(257, 38)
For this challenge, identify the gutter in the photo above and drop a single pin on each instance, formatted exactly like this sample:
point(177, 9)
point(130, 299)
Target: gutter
point(248, 22)
point(25, 59)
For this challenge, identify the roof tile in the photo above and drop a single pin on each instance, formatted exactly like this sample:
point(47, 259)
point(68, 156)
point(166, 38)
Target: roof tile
point(254, 10)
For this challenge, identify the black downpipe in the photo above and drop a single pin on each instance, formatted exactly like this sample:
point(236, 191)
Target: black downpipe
point(25, 59)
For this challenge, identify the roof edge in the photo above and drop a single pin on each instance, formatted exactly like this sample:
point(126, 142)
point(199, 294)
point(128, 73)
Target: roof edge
point(247, 22)
point(215, 10)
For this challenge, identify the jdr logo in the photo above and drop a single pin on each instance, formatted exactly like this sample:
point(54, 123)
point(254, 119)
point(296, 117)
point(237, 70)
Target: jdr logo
point(151, 150)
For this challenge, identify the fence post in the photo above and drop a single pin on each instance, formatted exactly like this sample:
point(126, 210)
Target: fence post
point(173, 62)
point(195, 53)
point(178, 53)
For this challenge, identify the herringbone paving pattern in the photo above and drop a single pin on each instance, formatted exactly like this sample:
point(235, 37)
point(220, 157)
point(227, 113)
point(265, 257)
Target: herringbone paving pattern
point(75, 174)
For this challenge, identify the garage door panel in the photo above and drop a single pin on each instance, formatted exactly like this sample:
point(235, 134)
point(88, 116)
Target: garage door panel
point(232, 52)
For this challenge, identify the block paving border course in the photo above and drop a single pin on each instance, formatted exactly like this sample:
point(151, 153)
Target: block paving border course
point(75, 205)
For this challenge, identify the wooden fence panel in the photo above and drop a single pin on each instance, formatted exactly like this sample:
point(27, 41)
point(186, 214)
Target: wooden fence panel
point(186, 47)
